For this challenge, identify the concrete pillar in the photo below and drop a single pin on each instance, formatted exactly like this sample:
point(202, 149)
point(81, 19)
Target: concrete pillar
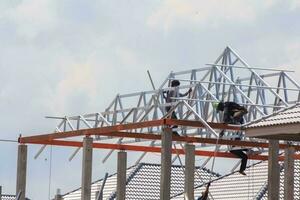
point(189, 171)
point(166, 156)
point(289, 173)
point(21, 171)
point(121, 175)
point(87, 158)
point(273, 170)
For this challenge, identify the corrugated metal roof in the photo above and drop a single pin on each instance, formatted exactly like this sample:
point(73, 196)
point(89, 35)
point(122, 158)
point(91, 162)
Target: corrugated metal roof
point(143, 182)
point(9, 197)
point(290, 115)
point(252, 186)
point(109, 188)
point(296, 183)
point(235, 185)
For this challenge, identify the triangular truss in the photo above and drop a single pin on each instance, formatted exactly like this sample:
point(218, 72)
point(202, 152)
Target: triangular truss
point(229, 78)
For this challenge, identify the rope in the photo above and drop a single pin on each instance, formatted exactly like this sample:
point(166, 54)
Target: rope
point(215, 153)
point(50, 172)
point(174, 145)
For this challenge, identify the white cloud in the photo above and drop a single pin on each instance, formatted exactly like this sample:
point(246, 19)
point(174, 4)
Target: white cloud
point(201, 13)
point(292, 50)
point(294, 4)
point(126, 56)
point(33, 16)
point(79, 80)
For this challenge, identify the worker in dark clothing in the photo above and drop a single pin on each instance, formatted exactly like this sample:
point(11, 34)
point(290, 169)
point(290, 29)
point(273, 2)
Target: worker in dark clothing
point(204, 195)
point(171, 96)
point(233, 114)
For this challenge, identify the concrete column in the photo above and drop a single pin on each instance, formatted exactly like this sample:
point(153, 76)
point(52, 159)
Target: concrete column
point(289, 173)
point(21, 171)
point(86, 178)
point(121, 175)
point(189, 171)
point(273, 170)
point(166, 156)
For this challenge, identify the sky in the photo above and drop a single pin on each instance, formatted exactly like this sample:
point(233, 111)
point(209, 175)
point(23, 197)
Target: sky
point(71, 57)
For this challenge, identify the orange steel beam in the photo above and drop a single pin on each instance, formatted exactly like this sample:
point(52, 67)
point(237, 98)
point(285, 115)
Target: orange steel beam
point(120, 127)
point(192, 123)
point(93, 131)
point(158, 137)
point(153, 149)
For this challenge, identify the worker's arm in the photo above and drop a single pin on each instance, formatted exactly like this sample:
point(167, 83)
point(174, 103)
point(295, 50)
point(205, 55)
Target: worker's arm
point(185, 94)
point(205, 195)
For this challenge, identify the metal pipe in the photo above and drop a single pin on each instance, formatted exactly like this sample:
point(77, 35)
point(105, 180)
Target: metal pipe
point(257, 68)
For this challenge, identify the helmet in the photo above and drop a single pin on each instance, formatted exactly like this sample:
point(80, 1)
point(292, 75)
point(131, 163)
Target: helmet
point(215, 104)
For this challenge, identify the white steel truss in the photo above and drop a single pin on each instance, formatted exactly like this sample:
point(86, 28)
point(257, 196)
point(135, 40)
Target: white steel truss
point(261, 90)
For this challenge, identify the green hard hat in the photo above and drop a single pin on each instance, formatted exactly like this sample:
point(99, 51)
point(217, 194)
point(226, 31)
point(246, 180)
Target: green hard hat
point(215, 104)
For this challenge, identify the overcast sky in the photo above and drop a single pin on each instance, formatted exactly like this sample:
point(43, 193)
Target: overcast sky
point(70, 57)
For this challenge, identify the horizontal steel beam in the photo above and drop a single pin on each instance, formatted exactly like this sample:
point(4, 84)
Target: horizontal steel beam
point(152, 149)
point(237, 84)
point(108, 130)
point(257, 68)
point(148, 136)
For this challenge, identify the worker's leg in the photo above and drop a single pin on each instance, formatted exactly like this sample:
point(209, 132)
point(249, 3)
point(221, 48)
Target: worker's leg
point(173, 116)
point(244, 161)
point(226, 116)
point(239, 153)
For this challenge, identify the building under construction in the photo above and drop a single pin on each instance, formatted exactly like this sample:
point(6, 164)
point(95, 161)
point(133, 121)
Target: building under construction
point(184, 127)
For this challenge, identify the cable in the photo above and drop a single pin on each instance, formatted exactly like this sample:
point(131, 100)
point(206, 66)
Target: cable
point(50, 172)
point(213, 162)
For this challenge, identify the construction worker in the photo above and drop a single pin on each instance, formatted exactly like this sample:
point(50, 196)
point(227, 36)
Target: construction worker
point(171, 96)
point(204, 195)
point(233, 114)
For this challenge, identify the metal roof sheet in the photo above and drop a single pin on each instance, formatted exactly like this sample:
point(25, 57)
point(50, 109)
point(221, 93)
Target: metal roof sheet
point(235, 185)
point(9, 197)
point(143, 182)
point(296, 183)
point(252, 186)
point(290, 115)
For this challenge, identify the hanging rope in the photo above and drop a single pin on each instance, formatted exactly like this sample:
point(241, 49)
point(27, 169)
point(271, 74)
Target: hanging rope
point(214, 158)
point(50, 172)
